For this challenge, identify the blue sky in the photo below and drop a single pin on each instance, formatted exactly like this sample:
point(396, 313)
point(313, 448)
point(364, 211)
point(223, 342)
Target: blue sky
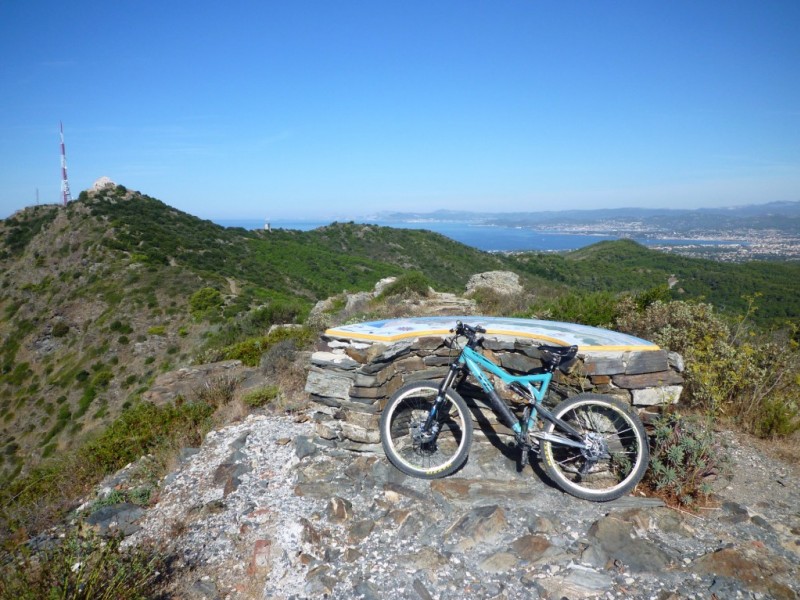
point(341, 109)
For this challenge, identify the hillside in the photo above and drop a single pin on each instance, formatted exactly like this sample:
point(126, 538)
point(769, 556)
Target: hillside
point(98, 298)
point(624, 265)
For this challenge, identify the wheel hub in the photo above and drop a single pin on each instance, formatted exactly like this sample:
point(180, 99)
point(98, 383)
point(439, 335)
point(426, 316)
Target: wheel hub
point(422, 436)
point(596, 447)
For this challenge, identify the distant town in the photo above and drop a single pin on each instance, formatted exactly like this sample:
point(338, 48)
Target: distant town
point(726, 245)
point(768, 231)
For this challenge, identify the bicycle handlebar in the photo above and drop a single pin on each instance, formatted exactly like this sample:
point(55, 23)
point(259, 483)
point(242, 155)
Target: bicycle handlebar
point(467, 331)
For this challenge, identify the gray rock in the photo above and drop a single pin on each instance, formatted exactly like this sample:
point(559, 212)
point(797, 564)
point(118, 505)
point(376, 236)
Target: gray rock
point(186, 453)
point(120, 517)
point(328, 384)
point(481, 525)
point(421, 590)
point(615, 540)
point(203, 589)
point(304, 446)
point(239, 442)
point(503, 282)
point(501, 562)
point(579, 582)
point(368, 591)
point(657, 396)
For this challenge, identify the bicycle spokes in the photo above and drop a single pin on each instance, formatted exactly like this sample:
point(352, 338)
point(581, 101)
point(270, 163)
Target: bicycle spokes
point(612, 446)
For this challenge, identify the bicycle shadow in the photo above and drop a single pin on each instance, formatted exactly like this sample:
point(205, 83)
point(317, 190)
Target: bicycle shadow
point(503, 443)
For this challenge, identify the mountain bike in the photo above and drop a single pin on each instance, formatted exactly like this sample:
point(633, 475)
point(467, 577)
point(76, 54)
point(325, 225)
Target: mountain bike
point(593, 446)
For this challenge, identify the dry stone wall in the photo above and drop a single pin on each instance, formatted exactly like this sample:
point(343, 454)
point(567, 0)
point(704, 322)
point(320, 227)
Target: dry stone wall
point(350, 381)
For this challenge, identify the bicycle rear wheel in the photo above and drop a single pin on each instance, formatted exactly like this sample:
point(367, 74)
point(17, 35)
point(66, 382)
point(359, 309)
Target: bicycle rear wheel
point(408, 448)
point(618, 454)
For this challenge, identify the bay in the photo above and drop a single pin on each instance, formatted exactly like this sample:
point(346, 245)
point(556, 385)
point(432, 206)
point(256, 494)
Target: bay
point(482, 237)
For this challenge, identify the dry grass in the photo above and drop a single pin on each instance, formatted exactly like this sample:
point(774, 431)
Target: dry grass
point(784, 449)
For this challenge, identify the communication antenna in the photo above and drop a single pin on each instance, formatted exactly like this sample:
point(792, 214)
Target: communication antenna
point(65, 193)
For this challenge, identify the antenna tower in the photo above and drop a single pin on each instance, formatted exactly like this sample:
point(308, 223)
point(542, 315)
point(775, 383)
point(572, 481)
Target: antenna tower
point(65, 193)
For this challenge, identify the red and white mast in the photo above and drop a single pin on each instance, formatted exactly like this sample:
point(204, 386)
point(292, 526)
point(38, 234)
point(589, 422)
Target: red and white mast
point(65, 193)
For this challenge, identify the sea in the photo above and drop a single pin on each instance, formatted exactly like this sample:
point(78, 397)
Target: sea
point(483, 237)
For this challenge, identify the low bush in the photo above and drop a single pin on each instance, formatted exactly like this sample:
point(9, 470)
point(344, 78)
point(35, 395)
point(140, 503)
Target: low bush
point(38, 499)
point(598, 309)
point(732, 371)
point(205, 302)
point(60, 329)
point(684, 460)
point(217, 391)
point(262, 396)
point(411, 282)
point(250, 351)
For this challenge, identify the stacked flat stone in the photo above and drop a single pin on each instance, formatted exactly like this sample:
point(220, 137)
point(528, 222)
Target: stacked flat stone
point(350, 380)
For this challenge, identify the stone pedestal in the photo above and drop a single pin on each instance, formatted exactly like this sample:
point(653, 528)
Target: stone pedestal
point(351, 379)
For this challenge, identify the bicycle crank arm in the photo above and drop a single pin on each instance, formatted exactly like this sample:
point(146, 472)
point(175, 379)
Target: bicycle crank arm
point(557, 439)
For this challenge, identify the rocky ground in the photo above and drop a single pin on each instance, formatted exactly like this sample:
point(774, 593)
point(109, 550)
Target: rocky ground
point(264, 510)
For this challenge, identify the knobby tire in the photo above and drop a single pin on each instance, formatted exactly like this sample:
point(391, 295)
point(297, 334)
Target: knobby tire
point(405, 411)
point(618, 469)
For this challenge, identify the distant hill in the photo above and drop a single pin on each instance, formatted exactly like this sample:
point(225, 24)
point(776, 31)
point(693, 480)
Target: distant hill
point(625, 265)
point(99, 297)
point(783, 215)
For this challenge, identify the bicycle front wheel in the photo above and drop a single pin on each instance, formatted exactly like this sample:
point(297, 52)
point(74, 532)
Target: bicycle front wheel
point(421, 454)
point(617, 454)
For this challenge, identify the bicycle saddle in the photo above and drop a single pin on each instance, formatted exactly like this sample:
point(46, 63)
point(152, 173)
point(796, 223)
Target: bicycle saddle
point(555, 356)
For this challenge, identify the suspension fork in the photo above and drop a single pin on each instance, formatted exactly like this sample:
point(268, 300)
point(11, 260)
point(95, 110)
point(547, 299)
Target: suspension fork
point(447, 382)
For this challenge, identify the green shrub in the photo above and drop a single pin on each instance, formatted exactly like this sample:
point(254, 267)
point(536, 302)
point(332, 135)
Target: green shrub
point(277, 312)
point(598, 309)
point(89, 394)
point(102, 378)
point(262, 396)
point(20, 373)
point(411, 282)
point(205, 302)
point(684, 460)
point(250, 351)
point(60, 329)
point(157, 330)
point(120, 327)
point(751, 377)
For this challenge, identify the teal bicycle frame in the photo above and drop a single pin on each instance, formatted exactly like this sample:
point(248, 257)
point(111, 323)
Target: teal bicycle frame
point(476, 361)
point(533, 387)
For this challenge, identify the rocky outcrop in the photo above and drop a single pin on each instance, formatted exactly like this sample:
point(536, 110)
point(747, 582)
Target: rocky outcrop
point(188, 382)
point(505, 283)
point(102, 183)
point(261, 511)
point(339, 309)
